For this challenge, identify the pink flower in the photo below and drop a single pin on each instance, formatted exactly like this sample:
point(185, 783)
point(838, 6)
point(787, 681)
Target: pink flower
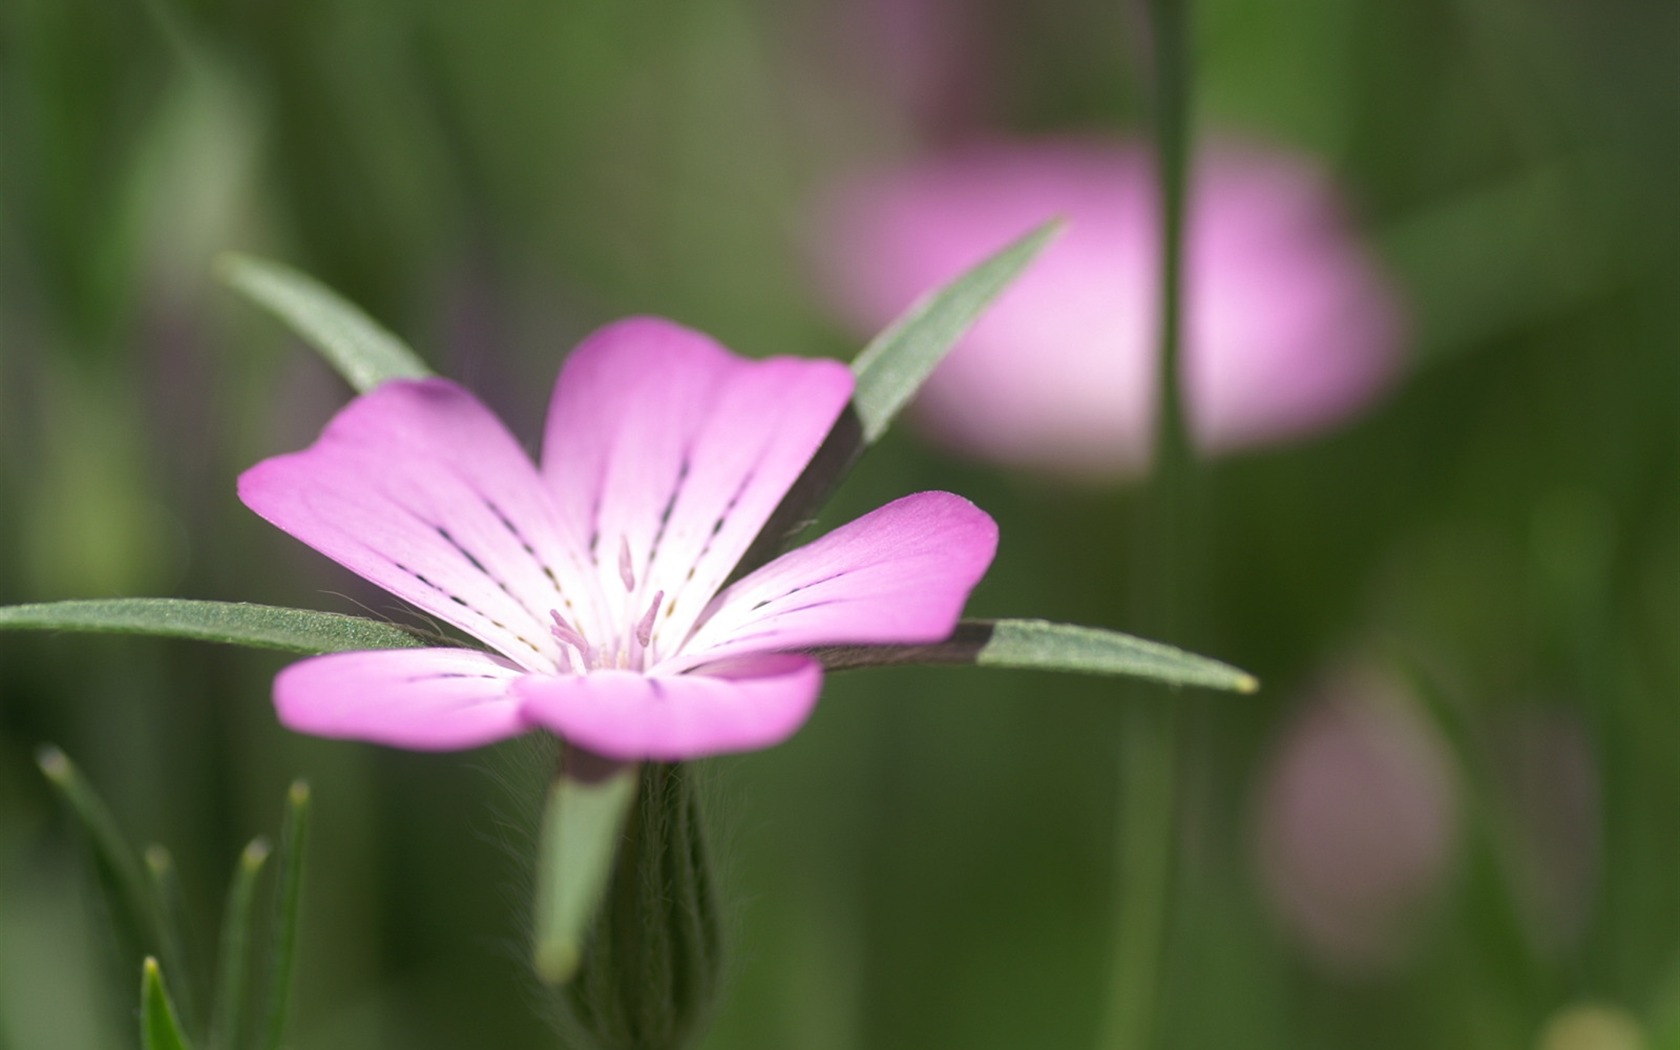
point(1289, 325)
point(598, 580)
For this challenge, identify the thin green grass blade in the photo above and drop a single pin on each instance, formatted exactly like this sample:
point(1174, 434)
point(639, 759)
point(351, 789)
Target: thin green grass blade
point(122, 882)
point(160, 1028)
point(364, 352)
point(289, 896)
point(581, 831)
point(1491, 875)
point(1045, 646)
point(227, 1023)
point(172, 920)
point(231, 623)
point(893, 367)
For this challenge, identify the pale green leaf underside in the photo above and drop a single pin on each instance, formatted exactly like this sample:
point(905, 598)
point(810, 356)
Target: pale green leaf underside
point(895, 364)
point(234, 623)
point(580, 835)
point(363, 351)
point(1036, 644)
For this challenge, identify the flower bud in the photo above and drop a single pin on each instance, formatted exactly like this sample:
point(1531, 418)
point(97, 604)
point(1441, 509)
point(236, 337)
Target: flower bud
point(649, 974)
point(1358, 825)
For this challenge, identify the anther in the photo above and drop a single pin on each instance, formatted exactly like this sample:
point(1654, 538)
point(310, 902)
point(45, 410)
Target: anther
point(566, 634)
point(625, 571)
point(644, 630)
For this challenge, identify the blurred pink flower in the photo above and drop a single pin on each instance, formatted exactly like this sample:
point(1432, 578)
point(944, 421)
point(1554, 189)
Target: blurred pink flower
point(1357, 824)
point(598, 580)
point(1290, 326)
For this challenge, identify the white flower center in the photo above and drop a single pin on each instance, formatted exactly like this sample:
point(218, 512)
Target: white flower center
point(611, 651)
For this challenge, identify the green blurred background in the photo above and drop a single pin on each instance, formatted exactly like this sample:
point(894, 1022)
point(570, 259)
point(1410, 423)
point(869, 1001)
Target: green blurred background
point(931, 862)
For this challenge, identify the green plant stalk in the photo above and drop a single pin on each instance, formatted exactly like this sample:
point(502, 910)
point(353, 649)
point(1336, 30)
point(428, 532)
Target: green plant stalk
point(228, 1020)
point(126, 888)
point(1146, 865)
point(172, 911)
point(289, 895)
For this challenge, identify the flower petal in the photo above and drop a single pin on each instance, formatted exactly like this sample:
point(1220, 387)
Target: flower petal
point(745, 705)
point(670, 447)
point(898, 575)
point(418, 487)
point(421, 699)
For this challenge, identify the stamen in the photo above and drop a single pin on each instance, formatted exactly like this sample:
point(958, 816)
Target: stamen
point(644, 630)
point(566, 634)
point(625, 572)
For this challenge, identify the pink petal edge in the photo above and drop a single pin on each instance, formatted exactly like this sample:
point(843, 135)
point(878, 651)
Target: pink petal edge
point(623, 715)
point(418, 487)
point(419, 699)
point(898, 575)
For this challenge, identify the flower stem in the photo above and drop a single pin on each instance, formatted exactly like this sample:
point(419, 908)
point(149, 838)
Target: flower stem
point(1145, 837)
point(1143, 872)
point(1172, 30)
point(288, 901)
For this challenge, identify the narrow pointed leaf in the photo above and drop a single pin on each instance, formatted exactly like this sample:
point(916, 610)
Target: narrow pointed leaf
point(893, 367)
point(1045, 646)
point(363, 351)
point(232, 623)
point(288, 898)
point(581, 831)
point(160, 1028)
point(890, 371)
point(172, 919)
point(228, 1022)
point(122, 882)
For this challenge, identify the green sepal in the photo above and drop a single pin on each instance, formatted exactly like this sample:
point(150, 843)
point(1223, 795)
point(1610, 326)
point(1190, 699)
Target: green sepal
point(1045, 646)
point(653, 960)
point(889, 372)
point(895, 364)
point(231, 623)
point(581, 830)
